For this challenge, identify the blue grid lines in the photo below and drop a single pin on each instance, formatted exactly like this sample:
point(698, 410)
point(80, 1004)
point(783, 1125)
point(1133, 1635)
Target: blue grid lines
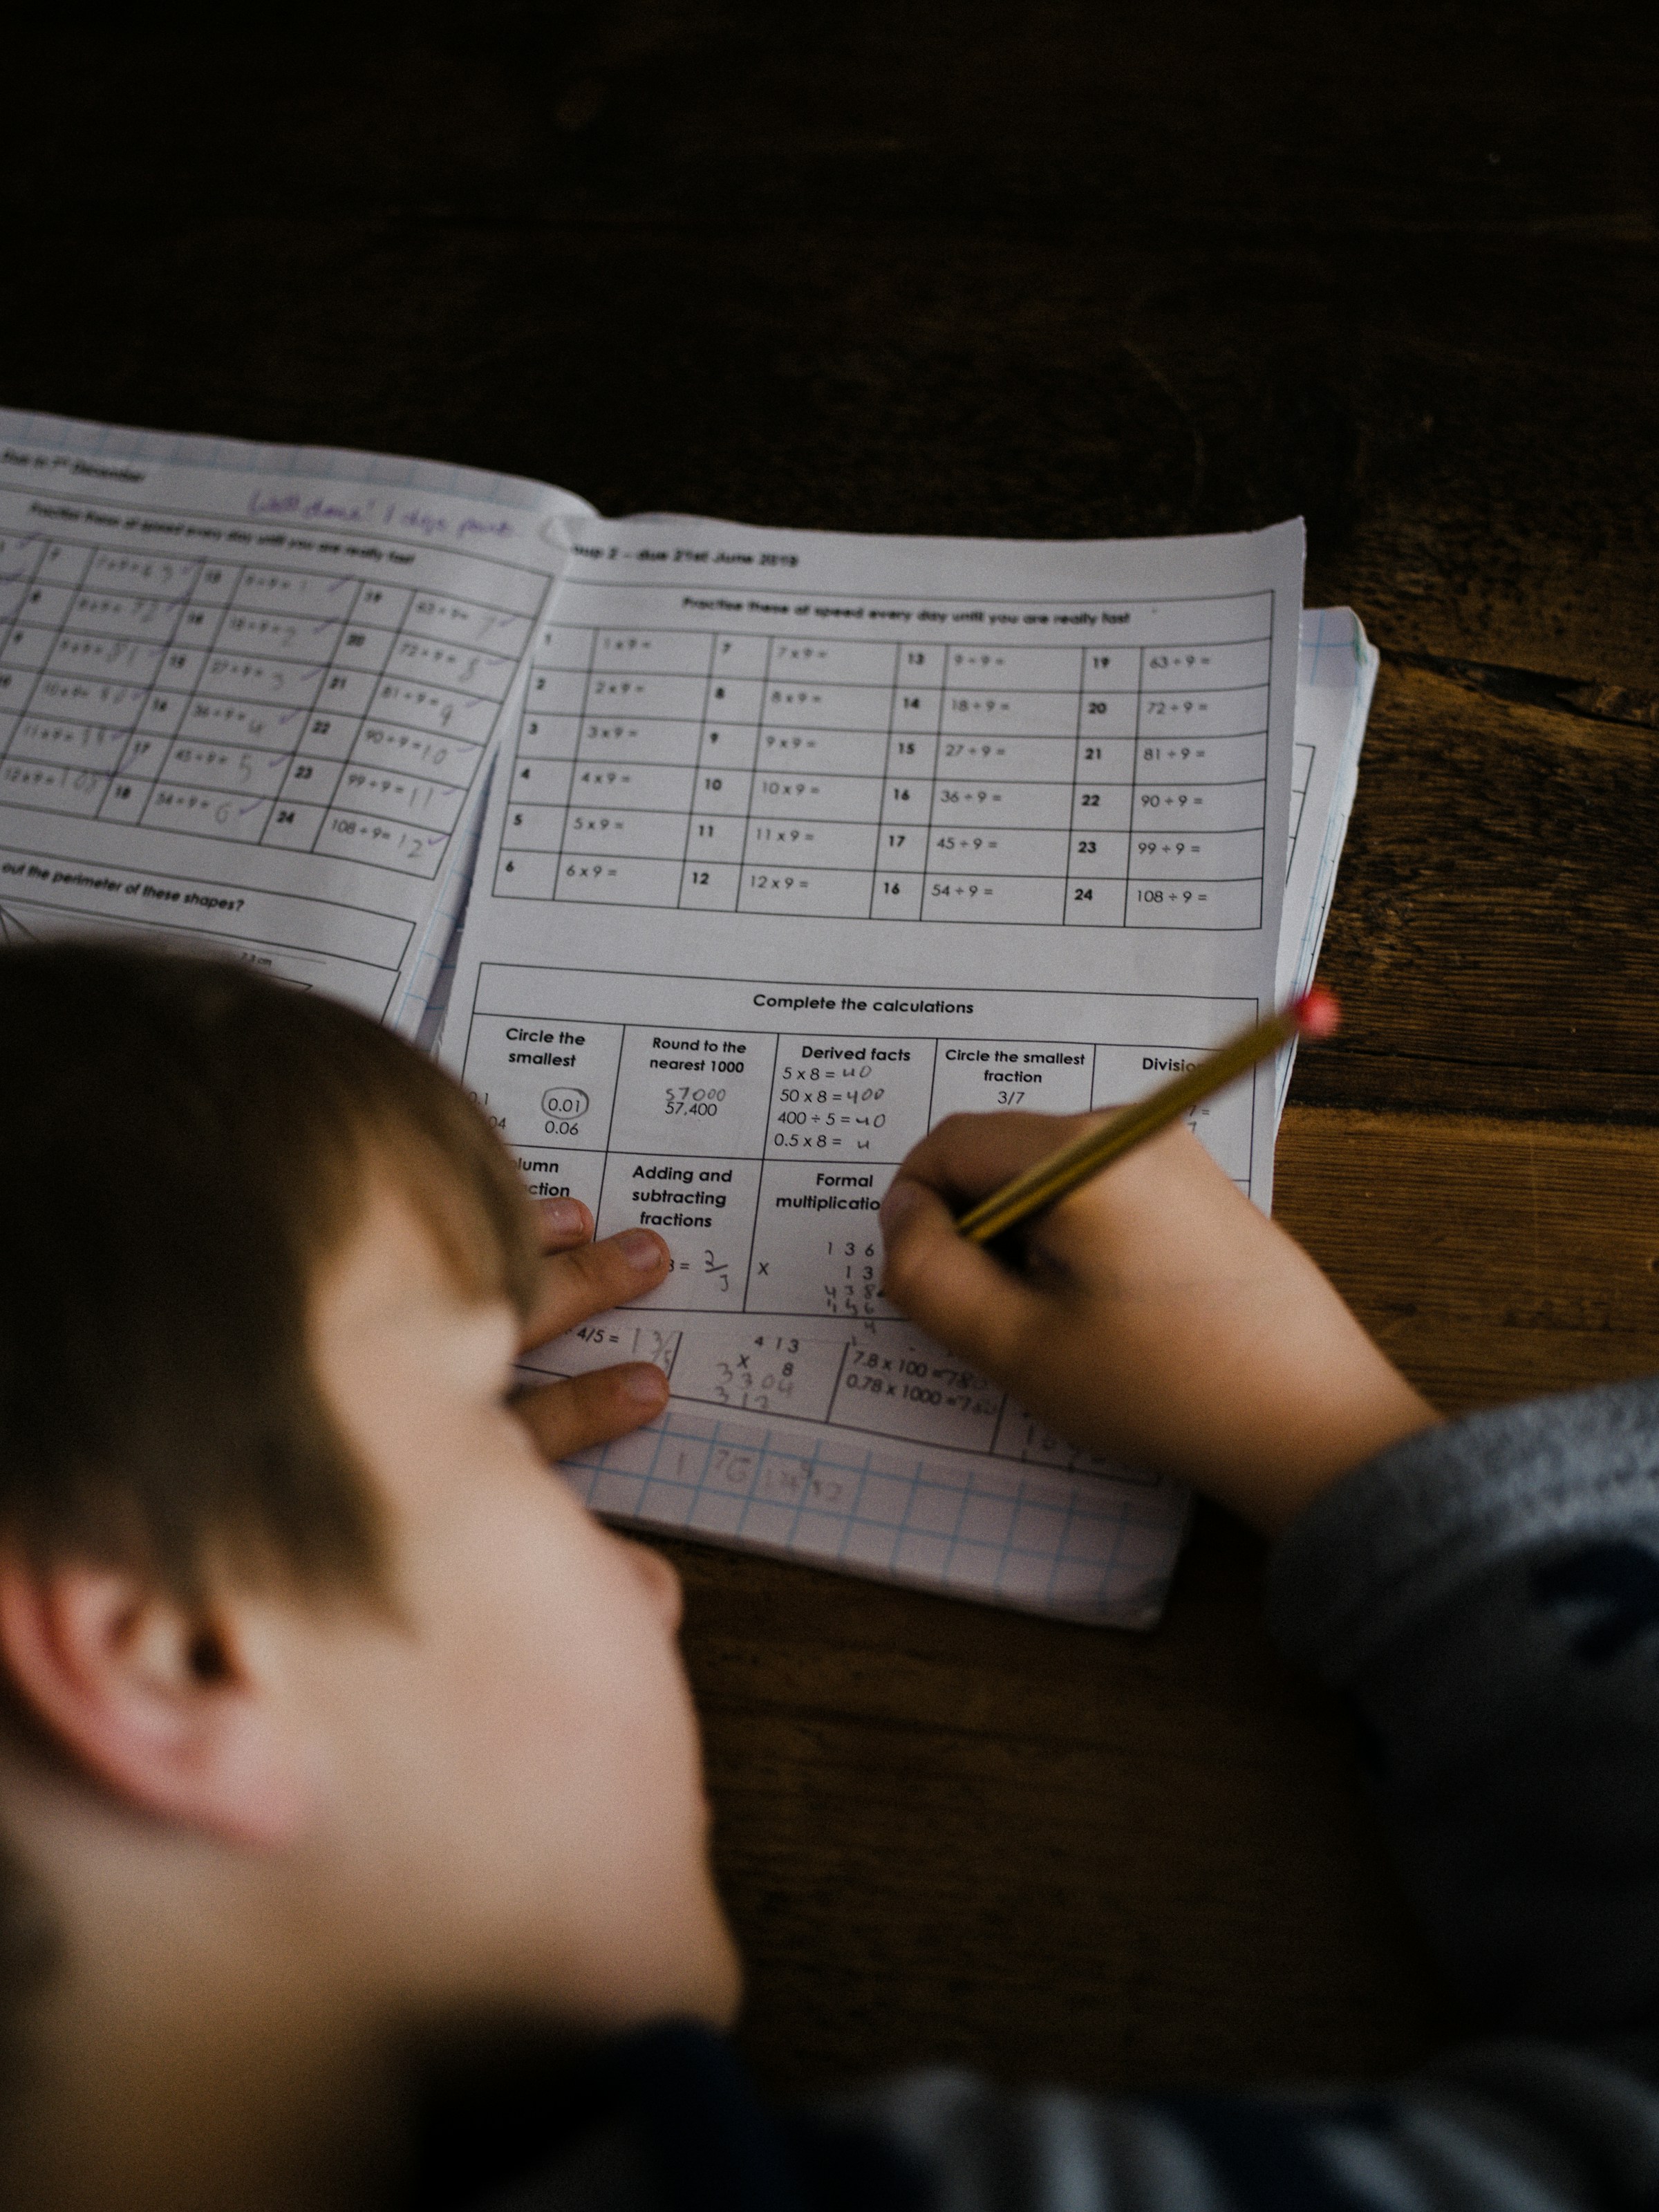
point(1036, 1538)
point(1330, 633)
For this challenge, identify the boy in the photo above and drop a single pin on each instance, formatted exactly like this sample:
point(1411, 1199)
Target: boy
point(340, 1745)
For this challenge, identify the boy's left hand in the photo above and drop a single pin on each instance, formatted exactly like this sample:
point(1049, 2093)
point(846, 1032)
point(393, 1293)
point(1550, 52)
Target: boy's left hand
point(580, 1278)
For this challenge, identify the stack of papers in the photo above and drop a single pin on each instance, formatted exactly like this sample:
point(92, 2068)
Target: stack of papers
point(718, 862)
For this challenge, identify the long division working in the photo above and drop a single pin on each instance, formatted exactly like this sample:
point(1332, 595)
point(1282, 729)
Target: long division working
point(969, 779)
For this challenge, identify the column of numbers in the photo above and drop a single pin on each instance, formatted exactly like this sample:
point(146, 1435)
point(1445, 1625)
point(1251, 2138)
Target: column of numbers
point(1103, 800)
point(899, 883)
point(543, 761)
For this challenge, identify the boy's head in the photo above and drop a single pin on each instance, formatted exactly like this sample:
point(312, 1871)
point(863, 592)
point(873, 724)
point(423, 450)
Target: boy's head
point(300, 1641)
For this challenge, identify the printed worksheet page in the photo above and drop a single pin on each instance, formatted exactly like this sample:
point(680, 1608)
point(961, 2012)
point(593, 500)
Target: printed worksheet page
point(798, 843)
point(250, 694)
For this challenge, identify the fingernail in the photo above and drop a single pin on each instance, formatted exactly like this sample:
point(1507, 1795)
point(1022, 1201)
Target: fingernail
point(565, 1216)
point(900, 1203)
point(641, 1249)
point(647, 1386)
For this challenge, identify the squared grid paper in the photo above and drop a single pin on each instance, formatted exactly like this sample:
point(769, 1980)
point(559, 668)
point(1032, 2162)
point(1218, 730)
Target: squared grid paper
point(1089, 1547)
point(1333, 648)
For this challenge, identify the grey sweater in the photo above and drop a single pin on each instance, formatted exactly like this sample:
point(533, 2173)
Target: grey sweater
point(1486, 1597)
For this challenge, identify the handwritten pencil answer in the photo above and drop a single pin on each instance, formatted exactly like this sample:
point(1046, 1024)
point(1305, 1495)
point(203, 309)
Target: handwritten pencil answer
point(719, 863)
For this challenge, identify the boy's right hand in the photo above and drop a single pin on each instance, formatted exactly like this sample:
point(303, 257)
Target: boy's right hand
point(583, 1277)
point(1159, 1319)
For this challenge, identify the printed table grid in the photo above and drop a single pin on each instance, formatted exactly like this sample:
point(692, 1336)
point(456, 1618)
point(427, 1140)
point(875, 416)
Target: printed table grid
point(755, 772)
point(759, 1153)
point(319, 710)
point(1083, 1544)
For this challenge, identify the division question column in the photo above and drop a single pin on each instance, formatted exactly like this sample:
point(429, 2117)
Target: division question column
point(1195, 849)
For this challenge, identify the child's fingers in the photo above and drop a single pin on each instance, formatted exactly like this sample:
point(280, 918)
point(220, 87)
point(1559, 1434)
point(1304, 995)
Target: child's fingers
point(563, 1222)
point(592, 1278)
point(590, 1409)
point(955, 1290)
point(968, 1156)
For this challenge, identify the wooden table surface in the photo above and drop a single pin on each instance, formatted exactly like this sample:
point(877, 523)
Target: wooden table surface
point(1058, 269)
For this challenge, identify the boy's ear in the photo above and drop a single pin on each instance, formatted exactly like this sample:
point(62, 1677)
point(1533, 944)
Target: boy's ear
point(165, 1706)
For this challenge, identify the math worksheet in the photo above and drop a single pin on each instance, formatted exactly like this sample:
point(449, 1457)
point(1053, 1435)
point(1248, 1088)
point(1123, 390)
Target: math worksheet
point(719, 862)
point(249, 695)
point(798, 843)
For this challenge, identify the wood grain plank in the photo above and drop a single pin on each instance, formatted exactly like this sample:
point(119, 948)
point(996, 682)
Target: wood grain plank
point(1493, 1260)
point(1489, 940)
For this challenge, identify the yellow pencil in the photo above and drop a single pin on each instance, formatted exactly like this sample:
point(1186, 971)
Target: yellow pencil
point(1315, 1014)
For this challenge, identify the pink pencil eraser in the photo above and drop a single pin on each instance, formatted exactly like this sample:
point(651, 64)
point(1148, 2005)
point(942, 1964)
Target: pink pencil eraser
point(1317, 1014)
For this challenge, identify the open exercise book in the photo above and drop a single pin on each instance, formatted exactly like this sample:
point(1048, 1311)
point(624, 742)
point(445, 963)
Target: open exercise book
point(781, 845)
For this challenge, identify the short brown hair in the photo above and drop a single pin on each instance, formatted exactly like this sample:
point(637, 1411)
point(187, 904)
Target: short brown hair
point(183, 1143)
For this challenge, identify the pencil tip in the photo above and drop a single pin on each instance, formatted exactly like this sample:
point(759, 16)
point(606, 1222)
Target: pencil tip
point(1317, 1014)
